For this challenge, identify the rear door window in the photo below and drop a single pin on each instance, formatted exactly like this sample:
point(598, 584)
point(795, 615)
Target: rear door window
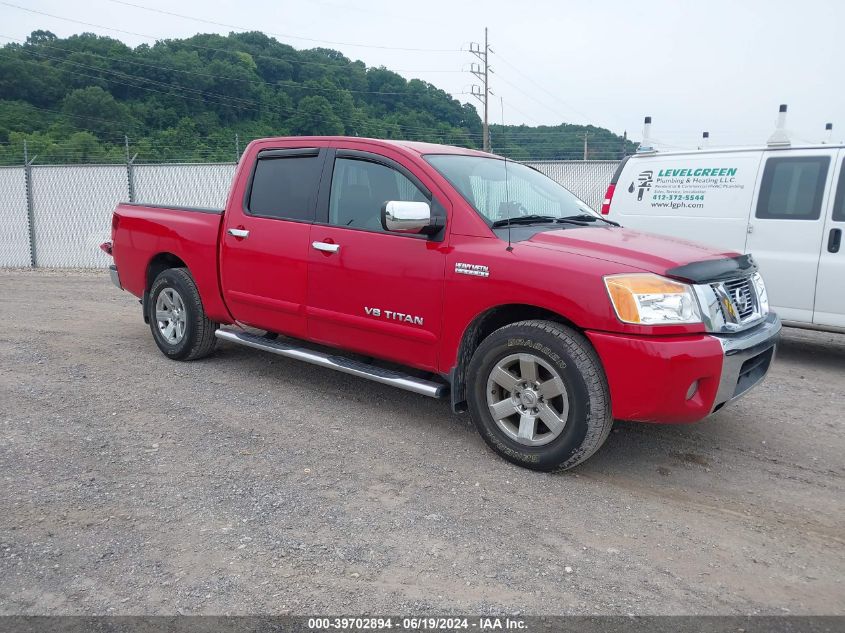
point(839, 201)
point(793, 187)
point(285, 186)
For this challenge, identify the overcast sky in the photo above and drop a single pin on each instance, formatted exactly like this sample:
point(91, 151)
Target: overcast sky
point(721, 66)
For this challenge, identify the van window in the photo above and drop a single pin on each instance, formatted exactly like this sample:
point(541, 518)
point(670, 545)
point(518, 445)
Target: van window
point(839, 202)
point(285, 188)
point(359, 190)
point(793, 188)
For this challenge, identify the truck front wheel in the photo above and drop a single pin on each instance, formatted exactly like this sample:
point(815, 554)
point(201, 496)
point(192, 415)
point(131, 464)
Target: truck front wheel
point(177, 320)
point(539, 396)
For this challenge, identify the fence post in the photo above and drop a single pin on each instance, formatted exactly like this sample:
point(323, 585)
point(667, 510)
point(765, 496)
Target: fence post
point(130, 170)
point(30, 206)
point(237, 148)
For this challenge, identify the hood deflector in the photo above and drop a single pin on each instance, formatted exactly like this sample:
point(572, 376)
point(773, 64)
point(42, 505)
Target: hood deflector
point(714, 270)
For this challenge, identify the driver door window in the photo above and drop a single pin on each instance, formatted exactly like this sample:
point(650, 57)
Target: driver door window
point(359, 190)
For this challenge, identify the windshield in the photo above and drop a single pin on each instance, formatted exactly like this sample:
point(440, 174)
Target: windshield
point(500, 194)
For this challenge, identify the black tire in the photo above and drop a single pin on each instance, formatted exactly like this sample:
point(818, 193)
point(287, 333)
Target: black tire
point(588, 421)
point(198, 340)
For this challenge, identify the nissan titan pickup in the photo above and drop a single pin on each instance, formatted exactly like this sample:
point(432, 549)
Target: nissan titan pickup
point(452, 273)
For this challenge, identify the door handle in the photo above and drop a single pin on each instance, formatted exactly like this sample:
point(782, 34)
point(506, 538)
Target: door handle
point(834, 240)
point(239, 233)
point(326, 247)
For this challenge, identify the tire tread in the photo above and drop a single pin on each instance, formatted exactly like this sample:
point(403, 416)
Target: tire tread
point(204, 342)
point(599, 418)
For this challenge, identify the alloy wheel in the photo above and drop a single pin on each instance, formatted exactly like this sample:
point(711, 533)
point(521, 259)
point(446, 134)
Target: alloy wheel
point(528, 399)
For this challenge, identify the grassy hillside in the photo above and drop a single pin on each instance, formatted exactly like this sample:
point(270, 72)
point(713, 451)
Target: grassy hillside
point(76, 99)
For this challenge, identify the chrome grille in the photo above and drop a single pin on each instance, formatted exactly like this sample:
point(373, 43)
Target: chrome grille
point(741, 296)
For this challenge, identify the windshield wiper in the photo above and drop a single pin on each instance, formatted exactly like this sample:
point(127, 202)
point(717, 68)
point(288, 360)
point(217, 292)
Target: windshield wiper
point(585, 217)
point(579, 220)
point(525, 219)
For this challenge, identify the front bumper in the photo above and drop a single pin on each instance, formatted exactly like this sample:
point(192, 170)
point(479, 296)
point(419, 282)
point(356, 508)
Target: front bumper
point(115, 277)
point(747, 357)
point(676, 379)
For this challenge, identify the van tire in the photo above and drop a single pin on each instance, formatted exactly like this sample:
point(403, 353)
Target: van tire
point(175, 287)
point(557, 351)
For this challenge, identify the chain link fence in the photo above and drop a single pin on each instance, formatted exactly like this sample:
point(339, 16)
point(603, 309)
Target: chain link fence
point(184, 185)
point(60, 219)
point(14, 218)
point(586, 179)
point(71, 209)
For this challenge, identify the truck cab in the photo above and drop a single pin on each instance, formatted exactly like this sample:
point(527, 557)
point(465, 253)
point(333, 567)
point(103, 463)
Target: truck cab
point(454, 274)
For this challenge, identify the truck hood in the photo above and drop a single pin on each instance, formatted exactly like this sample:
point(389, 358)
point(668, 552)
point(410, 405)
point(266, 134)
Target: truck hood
point(646, 251)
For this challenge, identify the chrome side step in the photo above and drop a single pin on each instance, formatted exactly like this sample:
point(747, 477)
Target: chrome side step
point(346, 365)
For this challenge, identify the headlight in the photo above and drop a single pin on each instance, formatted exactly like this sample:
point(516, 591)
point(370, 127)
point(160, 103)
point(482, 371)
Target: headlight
point(762, 295)
point(648, 299)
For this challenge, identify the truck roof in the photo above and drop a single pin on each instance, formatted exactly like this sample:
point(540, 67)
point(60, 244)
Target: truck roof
point(412, 147)
point(750, 148)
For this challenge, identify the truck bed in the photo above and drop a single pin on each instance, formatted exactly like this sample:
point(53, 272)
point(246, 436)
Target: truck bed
point(141, 233)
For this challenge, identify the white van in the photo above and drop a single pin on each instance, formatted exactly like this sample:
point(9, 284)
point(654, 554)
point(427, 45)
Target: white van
point(783, 204)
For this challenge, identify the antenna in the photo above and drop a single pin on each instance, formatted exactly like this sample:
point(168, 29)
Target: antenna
point(507, 190)
point(646, 145)
point(828, 128)
point(779, 137)
point(705, 140)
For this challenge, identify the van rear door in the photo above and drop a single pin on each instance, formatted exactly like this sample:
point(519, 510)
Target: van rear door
point(700, 196)
point(787, 224)
point(830, 297)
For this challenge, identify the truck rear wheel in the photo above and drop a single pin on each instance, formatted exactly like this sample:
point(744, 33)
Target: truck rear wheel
point(177, 319)
point(539, 396)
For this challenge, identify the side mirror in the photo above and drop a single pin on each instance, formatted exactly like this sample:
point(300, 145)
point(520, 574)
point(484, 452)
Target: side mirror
point(399, 216)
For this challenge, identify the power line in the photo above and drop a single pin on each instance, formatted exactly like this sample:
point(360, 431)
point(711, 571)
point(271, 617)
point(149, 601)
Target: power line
point(527, 116)
point(168, 43)
point(79, 116)
point(277, 85)
point(59, 17)
point(284, 35)
point(230, 101)
point(544, 89)
point(256, 55)
point(292, 86)
point(225, 100)
point(530, 96)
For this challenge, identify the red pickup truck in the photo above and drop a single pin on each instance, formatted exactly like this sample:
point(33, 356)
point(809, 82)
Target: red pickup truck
point(452, 273)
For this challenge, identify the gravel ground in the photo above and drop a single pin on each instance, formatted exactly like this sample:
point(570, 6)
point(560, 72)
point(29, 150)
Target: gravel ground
point(248, 483)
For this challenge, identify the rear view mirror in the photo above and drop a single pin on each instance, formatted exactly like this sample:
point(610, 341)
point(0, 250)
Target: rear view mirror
point(400, 216)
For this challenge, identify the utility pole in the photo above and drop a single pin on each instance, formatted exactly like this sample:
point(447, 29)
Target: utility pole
point(586, 135)
point(482, 93)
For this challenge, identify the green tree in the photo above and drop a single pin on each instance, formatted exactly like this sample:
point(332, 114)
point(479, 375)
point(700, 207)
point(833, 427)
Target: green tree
point(95, 110)
point(314, 117)
point(74, 98)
